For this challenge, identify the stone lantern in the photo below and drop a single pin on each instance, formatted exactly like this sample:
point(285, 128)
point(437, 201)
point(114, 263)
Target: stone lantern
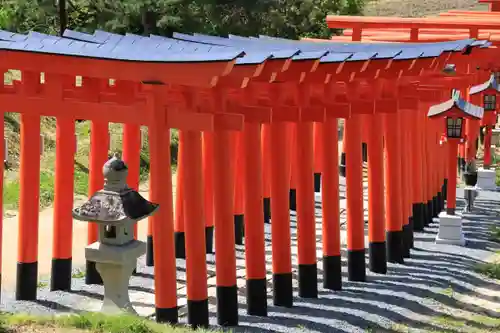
point(116, 209)
point(453, 112)
point(490, 91)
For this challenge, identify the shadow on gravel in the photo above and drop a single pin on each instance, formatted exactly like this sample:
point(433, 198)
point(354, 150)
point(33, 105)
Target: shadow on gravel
point(429, 286)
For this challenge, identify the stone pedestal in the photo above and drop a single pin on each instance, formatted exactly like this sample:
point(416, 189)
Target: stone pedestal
point(486, 179)
point(470, 194)
point(450, 230)
point(115, 264)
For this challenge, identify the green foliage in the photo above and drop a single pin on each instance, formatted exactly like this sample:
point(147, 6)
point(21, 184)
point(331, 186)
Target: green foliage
point(284, 18)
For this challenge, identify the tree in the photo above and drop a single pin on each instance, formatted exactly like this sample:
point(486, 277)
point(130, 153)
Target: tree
point(283, 18)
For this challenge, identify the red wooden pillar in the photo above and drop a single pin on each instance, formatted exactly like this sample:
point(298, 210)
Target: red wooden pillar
point(160, 192)
point(416, 161)
point(487, 145)
point(426, 168)
point(332, 267)
point(291, 144)
point(208, 187)
point(62, 244)
point(223, 201)
point(60, 278)
point(280, 225)
point(196, 269)
point(179, 236)
point(318, 155)
point(452, 177)
point(436, 183)
point(373, 126)
point(132, 157)
point(29, 187)
point(2, 153)
point(306, 219)
point(266, 170)
point(256, 289)
point(354, 193)
point(393, 203)
point(408, 152)
point(403, 129)
point(239, 217)
point(99, 145)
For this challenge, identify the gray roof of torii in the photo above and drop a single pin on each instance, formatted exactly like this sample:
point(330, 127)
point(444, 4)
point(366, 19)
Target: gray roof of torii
point(490, 83)
point(458, 102)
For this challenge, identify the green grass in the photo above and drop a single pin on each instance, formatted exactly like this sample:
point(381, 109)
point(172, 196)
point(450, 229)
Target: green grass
point(495, 233)
point(81, 176)
point(78, 274)
point(447, 323)
point(489, 269)
point(91, 323)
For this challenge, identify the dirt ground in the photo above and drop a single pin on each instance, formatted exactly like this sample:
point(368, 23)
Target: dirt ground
point(417, 8)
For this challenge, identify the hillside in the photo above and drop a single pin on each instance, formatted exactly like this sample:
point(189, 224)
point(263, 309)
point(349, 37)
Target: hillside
point(48, 131)
point(417, 8)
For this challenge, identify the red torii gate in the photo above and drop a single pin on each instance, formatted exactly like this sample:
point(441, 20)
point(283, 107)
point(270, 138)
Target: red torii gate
point(175, 96)
point(386, 25)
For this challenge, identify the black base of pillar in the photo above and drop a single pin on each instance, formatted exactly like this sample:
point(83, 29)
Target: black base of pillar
point(430, 210)
point(445, 189)
point(27, 281)
point(418, 217)
point(267, 210)
point(257, 297)
point(150, 259)
point(342, 168)
point(364, 151)
point(406, 242)
point(167, 315)
point(377, 257)
point(180, 244)
point(332, 272)
point(197, 313)
point(462, 165)
point(308, 281)
point(425, 214)
point(92, 276)
point(317, 182)
point(439, 201)
point(356, 266)
point(293, 199)
point(394, 244)
point(60, 277)
point(227, 305)
point(238, 229)
point(410, 232)
point(435, 206)
point(209, 239)
point(283, 290)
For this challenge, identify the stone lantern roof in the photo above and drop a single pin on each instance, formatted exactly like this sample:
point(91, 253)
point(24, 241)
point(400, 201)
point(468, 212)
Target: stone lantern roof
point(116, 202)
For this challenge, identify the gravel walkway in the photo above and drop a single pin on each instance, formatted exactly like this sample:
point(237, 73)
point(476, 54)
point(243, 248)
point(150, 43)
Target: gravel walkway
point(417, 8)
point(433, 283)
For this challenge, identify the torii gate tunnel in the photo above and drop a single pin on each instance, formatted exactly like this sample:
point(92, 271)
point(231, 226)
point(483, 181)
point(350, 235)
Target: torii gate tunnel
point(257, 117)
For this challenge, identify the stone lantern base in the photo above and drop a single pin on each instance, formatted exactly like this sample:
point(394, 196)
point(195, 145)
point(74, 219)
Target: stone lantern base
point(450, 230)
point(486, 179)
point(115, 264)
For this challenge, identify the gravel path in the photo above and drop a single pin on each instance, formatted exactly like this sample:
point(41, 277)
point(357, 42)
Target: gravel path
point(438, 280)
point(417, 8)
